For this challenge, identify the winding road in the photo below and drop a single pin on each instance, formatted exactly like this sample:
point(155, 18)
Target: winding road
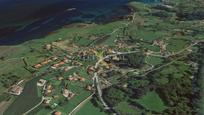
point(96, 77)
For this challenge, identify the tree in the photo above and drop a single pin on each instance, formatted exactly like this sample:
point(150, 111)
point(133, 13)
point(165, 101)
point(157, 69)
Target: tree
point(114, 95)
point(136, 59)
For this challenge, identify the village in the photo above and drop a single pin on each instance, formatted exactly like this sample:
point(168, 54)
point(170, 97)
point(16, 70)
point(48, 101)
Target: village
point(67, 72)
point(145, 62)
point(69, 62)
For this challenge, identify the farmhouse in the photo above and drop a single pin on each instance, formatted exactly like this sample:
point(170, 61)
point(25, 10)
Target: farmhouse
point(15, 90)
point(41, 82)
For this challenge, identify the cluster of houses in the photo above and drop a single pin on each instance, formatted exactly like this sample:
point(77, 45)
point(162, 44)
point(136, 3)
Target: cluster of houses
point(57, 65)
point(76, 77)
point(162, 45)
point(85, 55)
point(47, 88)
point(47, 61)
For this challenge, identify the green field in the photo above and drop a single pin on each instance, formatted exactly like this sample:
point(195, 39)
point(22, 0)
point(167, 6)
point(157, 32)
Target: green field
point(26, 100)
point(90, 109)
point(125, 109)
point(151, 101)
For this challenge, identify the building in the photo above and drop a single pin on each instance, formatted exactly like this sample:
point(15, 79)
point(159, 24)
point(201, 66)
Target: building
point(46, 62)
point(60, 78)
point(68, 94)
point(37, 66)
point(41, 82)
point(48, 46)
point(48, 89)
point(89, 88)
point(47, 100)
point(81, 79)
point(90, 70)
point(67, 68)
point(57, 113)
point(15, 90)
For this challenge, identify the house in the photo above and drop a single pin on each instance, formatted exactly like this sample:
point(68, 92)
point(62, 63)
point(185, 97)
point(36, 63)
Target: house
point(81, 79)
point(54, 58)
point(57, 113)
point(116, 58)
point(37, 66)
point(60, 78)
point(76, 63)
point(55, 66)
point(90, 70)
point(48, 46)
point(15, 90)
point(68, 94)
point(47, 100)
point(41, 82)
point(66, 60)
point(65, 92)
point(72, 78)
point(67, 68)
point(48, 89)
point(46, 61)
point(89, 88)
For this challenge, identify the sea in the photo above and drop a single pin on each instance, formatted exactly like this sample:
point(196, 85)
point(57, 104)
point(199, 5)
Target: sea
point(42, 17)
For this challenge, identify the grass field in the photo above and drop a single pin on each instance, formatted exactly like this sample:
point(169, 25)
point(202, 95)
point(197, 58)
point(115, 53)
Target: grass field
point(26, 100)
point(125, 109)
point(151, 101)
point(90, 109)
point(154, 60)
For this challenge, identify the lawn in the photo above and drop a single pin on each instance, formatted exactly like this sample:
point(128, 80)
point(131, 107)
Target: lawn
point(151, 101)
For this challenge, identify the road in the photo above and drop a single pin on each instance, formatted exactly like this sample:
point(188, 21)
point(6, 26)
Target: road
point(177, 53)
point(80, 105)
point(96, 77)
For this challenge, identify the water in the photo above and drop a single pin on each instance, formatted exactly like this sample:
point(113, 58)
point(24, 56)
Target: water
point(51, 14)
